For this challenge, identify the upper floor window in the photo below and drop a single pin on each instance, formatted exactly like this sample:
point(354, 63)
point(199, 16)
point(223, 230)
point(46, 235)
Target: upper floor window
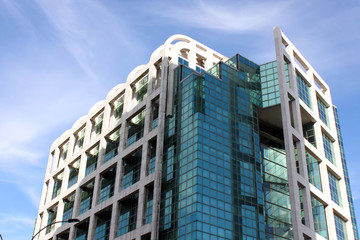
point(313, 171)
point(119, 107)
point(340, 228)
point(319, 217)
point(135, 128)
point(156, 82)
point(74, 172)
point(57, 185)
point(154, 113)
point(107, 183)
point(303, 90)
point(323, 111)
point(112, 145)
point(81, 230)
point(334, 189)
point(127, 214)
point(183, 61)
point(86, 197)
point(68, 207)
point(63, 152)
point(131, 169)
point(328, 148)
point(91, 162)
point(103, 219)
point(52, 212)
point(79, 138)
point(149, 204)
point(309, 133)
point(98, 122)
point(199, 69)
point(140, 89)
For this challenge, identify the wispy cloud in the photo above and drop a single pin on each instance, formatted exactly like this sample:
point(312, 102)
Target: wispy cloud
point(86, 28)
point(237, 17)
point(6, 219)
point(13, 223)
point(92, 36)
point(17, 12)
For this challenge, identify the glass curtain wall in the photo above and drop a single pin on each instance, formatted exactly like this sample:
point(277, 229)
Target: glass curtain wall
point(212, 184)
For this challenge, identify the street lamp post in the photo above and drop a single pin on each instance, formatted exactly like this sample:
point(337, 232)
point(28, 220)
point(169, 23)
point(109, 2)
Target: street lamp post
point(71, 220)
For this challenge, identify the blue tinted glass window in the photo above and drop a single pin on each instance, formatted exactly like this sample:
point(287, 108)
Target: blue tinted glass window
point(319, 216)
point(334, 189)
point(183, 61)
point(328, 148)
point(340, 228)
point(322, 111)
point(303, 90)
point(313, 171)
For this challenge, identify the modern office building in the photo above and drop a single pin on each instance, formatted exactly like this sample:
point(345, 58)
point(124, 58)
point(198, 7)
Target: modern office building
point(196, 145)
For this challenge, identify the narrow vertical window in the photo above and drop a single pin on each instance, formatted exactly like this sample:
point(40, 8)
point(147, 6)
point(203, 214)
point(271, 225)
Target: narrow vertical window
point(92, 157)
point(57, 185)
point(131, 168)
point(301, 196)
point(82, 231)
point(140, 89)
point(168, 209)
point(112, 145)
point(155, 114)
point(107, 184)
point(74, 172)
point(80, 138)
point(103, 219)
point(328, 148)
point(119, 107)
point(319, 216)
point(170, 162)
point(334, 189)
point(286, 67)
point(296, 157)
point(86, 197)
point(46, 191)
point(68, 207)
point(152, 160)
point(135, 128)
point(303, 90)
point(51, 219)
point(63, 152)
point(313, 171)
point(156, 82)
point(149, 204)
point(323, 111)
point(128, 214)
point(52, 156)
point(340, 228)
point(97, 123)
point(309, 133)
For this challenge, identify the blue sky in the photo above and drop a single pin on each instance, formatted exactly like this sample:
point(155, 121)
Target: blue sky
point(58, 58)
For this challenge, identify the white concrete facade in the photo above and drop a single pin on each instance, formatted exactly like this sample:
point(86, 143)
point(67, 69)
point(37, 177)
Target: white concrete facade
point(293, 132)
point(159, 72)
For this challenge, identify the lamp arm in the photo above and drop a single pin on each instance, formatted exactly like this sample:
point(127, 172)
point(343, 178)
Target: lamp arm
point(46, 227)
